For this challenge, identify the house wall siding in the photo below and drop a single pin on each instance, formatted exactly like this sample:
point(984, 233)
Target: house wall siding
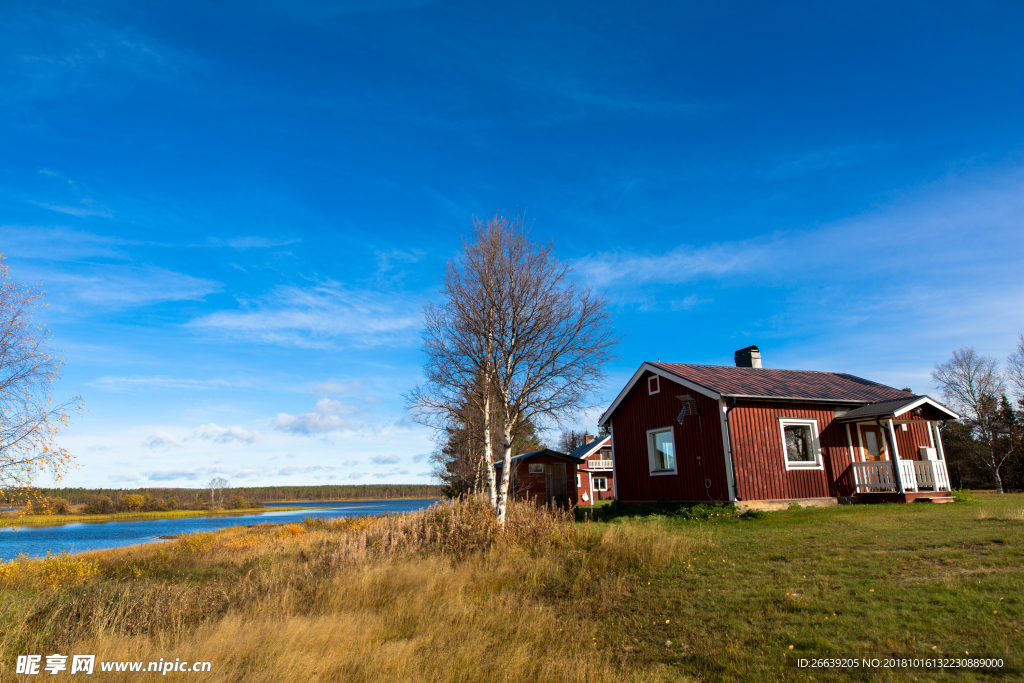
point(761, 460)
point(909, 441)
point(640, 411)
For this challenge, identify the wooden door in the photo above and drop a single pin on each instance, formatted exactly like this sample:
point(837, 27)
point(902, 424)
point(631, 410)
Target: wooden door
point(554, 484)
point(872, 443)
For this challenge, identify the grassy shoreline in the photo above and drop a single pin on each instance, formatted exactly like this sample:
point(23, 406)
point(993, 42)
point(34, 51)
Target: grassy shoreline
point(444, 595)
point(57, 520)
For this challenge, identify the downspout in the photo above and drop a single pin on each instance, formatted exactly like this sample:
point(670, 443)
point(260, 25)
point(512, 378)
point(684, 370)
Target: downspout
point(892, 454)
point(732, 455)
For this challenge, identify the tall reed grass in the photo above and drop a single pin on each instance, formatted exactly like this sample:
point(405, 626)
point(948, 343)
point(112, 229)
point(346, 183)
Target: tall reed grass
point(439, 595)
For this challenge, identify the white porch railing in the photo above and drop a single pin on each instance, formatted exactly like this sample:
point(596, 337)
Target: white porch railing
point(599, 464)
point(873, 476)
point(907, 475)
point(915, 475)
point(931, 474)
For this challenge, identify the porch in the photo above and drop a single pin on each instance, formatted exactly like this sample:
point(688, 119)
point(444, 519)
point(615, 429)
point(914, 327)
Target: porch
point(880, 473)
point(909, 476)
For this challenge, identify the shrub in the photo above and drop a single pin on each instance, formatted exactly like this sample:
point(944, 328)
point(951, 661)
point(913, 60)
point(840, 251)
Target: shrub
point(132, 503)
point(680, 511)
point(100, 505)
point(237, 503)
point(963, 495)
point(42, 505)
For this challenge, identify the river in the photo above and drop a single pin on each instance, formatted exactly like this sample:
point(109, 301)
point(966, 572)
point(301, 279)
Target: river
point(36, 541)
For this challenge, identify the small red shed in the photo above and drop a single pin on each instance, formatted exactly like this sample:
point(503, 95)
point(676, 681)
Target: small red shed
point(545, 476)
point(707, 433)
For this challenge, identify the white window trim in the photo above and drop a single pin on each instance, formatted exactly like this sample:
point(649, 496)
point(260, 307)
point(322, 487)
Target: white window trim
point(535, 464)
point(605, 480)
point(657, 385)
point(819, 463)
point(650, 453)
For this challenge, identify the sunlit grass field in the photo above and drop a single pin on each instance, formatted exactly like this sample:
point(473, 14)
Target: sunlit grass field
point(444, 595)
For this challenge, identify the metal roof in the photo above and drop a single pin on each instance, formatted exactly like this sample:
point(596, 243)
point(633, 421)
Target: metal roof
point(895, 408)
point(770, 383)
point(588, 448)
point(725, 381)
point(544, 451)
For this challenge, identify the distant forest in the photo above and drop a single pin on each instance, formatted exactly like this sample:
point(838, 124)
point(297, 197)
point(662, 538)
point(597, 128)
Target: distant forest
point(261, 494)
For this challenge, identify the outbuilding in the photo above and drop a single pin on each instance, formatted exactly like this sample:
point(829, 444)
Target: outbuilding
point(748, 434)
point(546, 477)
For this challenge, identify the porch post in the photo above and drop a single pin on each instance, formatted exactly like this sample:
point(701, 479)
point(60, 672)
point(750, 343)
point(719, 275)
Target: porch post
point(849, 442)
point(938, 441)
point(895, 460)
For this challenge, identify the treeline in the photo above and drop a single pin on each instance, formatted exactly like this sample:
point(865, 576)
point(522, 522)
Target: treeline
point(985, 447)
point(185, 498)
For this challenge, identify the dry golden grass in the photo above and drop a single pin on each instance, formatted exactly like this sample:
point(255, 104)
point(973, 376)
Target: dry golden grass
point(441, 595)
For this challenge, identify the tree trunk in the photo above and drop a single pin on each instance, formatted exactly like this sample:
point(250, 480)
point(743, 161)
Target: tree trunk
point(994, 468)
point(492, 491)
point(506, 471)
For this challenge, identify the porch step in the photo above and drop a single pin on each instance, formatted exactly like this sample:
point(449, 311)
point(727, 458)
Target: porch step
point(936, 499)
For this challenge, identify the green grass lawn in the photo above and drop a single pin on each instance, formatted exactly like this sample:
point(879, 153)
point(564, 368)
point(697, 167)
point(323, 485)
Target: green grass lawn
point(875, 581)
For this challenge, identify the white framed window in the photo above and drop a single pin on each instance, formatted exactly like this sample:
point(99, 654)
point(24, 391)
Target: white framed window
point(661, 451)
point(577, 481)
point(653, 384)
point(800, 443)
point(536, 468)
point(600, 483)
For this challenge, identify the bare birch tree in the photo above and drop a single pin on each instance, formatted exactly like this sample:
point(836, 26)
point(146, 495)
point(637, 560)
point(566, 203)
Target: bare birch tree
point(551, 336)
point(216, 487)
point(972, 385)
point(457, 341)
point(1015, 369)
point(29, 420)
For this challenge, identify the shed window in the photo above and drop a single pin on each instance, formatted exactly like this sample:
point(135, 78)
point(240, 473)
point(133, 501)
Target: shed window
point(600, 483)
point(536, 468)
point(800, 443)
point(653, 384)
point(661, 451)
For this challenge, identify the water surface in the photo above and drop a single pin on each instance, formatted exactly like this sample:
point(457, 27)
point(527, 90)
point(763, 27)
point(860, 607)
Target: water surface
point(36, 541)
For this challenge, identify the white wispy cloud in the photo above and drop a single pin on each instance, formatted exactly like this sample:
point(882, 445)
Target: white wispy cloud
point(114, 383)
point(387, 260)
point(683, 263)
point(207, 432)
point(163, 440)
point(386, 459)
point(88, 208)
point(58, 243)
point(326, 417)
point(322, 316)
point(251, 242)
point(219, 434)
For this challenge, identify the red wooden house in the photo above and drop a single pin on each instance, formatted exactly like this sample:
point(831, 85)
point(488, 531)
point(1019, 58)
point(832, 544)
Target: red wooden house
point(747, 433)
point(545, 476)
point(596, 479)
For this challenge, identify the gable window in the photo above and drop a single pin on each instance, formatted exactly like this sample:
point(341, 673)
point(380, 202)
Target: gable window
point(600, 483)
point(536, 468)
point(661, 451)
point(800, 443)
point(653, 384)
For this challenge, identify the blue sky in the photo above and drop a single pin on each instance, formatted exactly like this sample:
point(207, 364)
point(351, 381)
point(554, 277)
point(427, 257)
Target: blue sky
point(238, 210)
